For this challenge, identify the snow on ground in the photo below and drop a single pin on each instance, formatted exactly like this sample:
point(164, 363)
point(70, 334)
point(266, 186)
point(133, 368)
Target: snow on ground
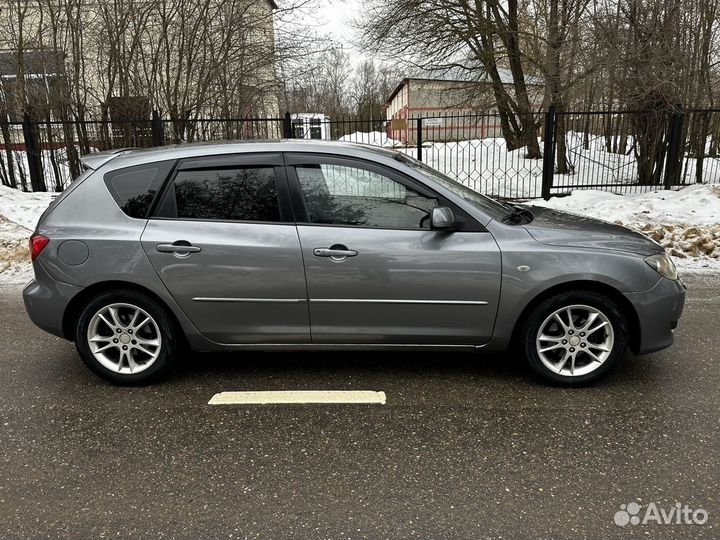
point(14, 255)
point(485, 165)
point(695, 205)
point(23, 208)
point(19, 213)
point(375, 138)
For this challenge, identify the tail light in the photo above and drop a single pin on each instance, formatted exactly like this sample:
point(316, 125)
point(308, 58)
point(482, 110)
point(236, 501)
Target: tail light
point(38, 242)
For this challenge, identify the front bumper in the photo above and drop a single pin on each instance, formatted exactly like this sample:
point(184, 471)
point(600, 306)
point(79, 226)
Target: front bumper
point(658, 311)
point(46, 300)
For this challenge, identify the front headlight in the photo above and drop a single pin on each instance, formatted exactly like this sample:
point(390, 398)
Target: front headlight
point(663, 265)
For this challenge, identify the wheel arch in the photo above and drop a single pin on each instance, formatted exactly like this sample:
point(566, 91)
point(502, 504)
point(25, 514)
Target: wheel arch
point(75, 306)
point(626, 307)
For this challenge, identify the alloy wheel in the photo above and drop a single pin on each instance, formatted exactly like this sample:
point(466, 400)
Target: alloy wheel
point(124, 338)
point(575, 340)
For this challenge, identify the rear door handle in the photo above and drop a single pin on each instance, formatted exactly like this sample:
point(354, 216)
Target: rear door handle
point(180, 247)
point(336, 252)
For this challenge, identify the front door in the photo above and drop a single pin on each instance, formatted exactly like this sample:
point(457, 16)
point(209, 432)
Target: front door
point(375, 271)
point(225, 246)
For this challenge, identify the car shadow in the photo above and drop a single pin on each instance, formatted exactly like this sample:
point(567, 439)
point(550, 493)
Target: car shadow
point(299, 370)
point(400, 371)
point(349, 365)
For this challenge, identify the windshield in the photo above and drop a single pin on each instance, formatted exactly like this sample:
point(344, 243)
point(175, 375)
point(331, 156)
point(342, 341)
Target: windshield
point(490, 206)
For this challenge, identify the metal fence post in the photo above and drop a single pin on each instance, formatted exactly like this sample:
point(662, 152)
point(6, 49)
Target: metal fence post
point(548, 170)
point(674, 151)
point(158, 138)
point(32, 149)
point(287, 126)
point(419, 139)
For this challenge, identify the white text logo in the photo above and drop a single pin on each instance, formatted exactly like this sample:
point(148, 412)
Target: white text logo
point(680, 514)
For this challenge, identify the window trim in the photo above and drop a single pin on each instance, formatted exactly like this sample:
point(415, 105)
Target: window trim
point(230, 161)
point(160, 195)
point(293, 159)
point(272, 160)
point(205, 220)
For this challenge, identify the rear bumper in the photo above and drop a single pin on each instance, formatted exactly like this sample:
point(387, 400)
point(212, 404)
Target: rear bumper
point(46, 300)
point(658, 310)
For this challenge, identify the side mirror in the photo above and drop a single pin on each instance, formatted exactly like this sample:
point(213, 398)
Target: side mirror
point(442, 218)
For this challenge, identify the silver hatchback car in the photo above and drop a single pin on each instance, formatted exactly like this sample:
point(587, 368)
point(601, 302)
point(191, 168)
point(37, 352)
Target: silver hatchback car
point(303, 245)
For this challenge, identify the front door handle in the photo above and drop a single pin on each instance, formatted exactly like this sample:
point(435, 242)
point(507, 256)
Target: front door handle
point(337, 252)
point(180, 247)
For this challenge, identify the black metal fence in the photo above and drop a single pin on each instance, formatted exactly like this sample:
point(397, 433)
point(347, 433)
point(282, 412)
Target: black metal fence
point(635, 151)
point(621, 151)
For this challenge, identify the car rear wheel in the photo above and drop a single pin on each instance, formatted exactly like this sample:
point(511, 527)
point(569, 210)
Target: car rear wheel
point(575, 338)
point(125, 337)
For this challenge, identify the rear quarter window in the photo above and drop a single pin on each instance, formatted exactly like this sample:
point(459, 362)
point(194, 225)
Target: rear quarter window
point(135, 188)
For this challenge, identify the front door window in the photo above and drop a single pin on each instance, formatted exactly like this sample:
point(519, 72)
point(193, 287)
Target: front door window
point(345, 195)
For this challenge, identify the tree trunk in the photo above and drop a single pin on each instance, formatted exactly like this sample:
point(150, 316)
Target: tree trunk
point(7, 142)
point(527, 118)
point(70, 148)
point(53, 160)
point(649, 129)
point(554, 84)
point(701, 145)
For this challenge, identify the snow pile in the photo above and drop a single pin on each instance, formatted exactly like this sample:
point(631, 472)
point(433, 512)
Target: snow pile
point(19, 213)
point(14, 253)
point(682, 241)
point(376, 138)
point(693, 205)
point(23, 208)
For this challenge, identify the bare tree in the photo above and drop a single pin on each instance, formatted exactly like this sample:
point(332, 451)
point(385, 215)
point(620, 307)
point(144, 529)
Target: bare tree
point(552, 43)
point(477, 36)
point(321, 84)
point(370, 86)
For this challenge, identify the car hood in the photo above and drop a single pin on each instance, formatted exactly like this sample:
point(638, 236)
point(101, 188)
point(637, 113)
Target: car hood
point(564, 229)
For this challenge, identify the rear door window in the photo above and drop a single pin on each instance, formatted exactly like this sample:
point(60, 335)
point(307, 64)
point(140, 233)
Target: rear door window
point(135, 188)
point(226, 194)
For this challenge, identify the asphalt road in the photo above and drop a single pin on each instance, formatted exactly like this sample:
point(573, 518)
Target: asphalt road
point(466, 446)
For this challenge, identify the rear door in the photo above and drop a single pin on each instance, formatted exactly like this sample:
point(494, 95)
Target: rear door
point(376, 273)
point(224, 243)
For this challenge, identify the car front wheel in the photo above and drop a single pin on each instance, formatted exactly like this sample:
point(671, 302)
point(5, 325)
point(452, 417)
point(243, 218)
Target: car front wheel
point(575, 337)
point(125, 337)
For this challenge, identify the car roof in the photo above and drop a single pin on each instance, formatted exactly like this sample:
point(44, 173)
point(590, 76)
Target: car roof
point(132, 156)
point(118, 159)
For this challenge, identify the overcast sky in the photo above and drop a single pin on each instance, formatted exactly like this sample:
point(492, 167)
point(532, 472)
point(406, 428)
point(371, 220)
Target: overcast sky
point(334, 18)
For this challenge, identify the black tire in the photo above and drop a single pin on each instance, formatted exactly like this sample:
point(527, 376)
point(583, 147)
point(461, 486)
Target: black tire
point(546, 308)
point(166, 329)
